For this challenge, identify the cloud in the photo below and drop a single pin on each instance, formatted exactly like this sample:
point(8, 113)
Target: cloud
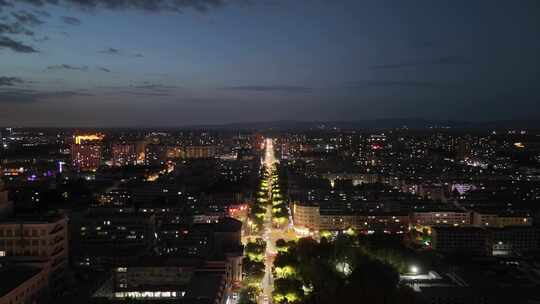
point(446, 60)
point(10, 81)
point(67, 67)
point(42, 39)
point(279, 88)
point(14, 29)
point(143, 5)
point(104, 69)
point(401, 83)
point(22, 20)
point(31, 96)
point(27, 18)
point(5, 3)
point(139, 93)
point(118, 52)
point(16, 46)
point(70, 20)
point(152, 86)
point(42, 13)
point(110, 51)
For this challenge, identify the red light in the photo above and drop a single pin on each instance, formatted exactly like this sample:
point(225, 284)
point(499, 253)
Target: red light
point(376, 147)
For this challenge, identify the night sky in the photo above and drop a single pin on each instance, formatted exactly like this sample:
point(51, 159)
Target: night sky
point(182, 62)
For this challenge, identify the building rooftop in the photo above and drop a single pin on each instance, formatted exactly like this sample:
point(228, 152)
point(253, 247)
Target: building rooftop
point(33, 218)
point(13, 276)
point(228, 224)
point(205, 285)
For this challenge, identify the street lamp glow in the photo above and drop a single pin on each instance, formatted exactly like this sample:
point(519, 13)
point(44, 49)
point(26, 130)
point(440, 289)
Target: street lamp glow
point(413, 269)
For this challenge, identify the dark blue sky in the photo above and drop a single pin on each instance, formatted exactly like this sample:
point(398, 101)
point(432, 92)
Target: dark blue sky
point(178, 62)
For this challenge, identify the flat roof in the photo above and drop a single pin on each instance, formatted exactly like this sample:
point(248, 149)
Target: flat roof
point(17, 275)
point(33, 218)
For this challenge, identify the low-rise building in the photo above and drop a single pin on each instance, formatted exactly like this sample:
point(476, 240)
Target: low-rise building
point(469, 240)
point(306, 216)
point(22, 284)
point(440, 218)
point(491, 219)
point(106, 235)
point(221, 240)
point(314, 218)
point(201, 151)
point(180, 281)
point(37, 241)
point(6, 207)
point(511, 240)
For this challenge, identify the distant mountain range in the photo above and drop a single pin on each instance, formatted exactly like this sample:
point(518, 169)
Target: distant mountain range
point(409, 123)
point(281, 125)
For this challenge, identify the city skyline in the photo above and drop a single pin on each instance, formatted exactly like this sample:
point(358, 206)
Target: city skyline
point(269, 151)
point(174, 63)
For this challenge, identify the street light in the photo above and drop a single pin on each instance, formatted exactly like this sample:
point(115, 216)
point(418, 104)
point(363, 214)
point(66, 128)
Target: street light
point(414, 269)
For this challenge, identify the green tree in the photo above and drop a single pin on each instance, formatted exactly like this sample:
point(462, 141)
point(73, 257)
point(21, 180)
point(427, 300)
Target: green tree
point(248, 295)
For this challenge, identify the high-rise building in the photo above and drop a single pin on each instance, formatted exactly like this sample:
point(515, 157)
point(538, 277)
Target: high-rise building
point(140, 150)
point(86, 152)
point(124, 154)
point(6, 206)
point(155, 155)
point(463, 150)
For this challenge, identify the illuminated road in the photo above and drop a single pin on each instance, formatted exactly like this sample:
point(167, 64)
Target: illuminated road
point(267, 283)
point(270, 233)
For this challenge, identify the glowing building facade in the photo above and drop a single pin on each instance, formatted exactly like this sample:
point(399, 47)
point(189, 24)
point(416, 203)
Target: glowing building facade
point(86, 152)
point(124, 154)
